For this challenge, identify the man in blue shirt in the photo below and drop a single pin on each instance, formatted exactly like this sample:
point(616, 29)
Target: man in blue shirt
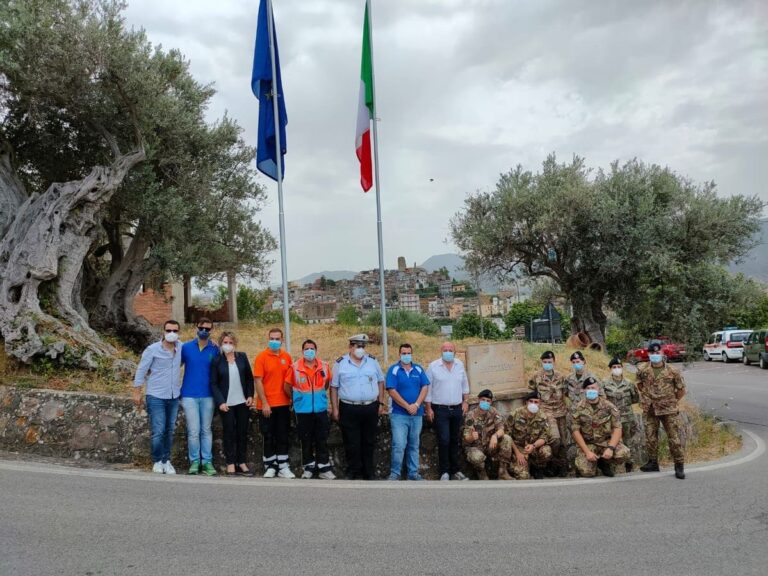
point(407, 385)
point(357, 400)
point(160, 367)
point(196, 397)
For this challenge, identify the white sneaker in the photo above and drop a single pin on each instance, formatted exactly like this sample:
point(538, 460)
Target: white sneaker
point(307, 475)
point(158, 468)
point(168, 468)
point(445, 476)
point(285, 472)
point(460, 476)
point(269, 473)
point(327, 475)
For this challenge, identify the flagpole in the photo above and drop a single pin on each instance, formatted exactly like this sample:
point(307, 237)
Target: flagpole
point(384, 337)
point(279, 157)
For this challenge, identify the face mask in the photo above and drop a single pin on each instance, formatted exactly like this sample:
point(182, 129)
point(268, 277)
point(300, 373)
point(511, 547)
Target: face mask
point(533, 408)
point(203, 334)
point(484, 405)
point(654, 358)
point(578, 367)
point(309, 354)
point(616, 371)
point(274, 345)
point(406, 358)
point(448, 356)
point(228, 348)
point(171, 336)
point(591, 394)
point(359, 353)
point(548, 366)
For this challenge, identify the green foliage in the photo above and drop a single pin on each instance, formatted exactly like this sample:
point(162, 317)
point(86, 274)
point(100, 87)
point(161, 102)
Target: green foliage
point(616, 235)
point(347, 316)
point(754, 312)
point(404, 320)
point(470, 326)
point(620, 339)
point(276, 317)
point(521, 314)
point(250, 302)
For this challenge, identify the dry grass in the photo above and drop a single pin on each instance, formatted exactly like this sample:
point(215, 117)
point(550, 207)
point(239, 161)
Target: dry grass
point(714, 439)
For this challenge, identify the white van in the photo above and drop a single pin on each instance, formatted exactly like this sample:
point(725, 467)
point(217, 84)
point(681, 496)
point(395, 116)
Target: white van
point(726, 345)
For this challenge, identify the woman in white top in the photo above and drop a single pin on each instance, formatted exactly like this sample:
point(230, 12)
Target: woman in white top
point(232, 388)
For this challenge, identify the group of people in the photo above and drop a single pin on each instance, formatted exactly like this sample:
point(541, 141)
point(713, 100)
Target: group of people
point(567, 422)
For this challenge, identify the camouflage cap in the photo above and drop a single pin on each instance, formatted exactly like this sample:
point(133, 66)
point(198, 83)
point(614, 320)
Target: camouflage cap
point(588, 382)
point(577, 355)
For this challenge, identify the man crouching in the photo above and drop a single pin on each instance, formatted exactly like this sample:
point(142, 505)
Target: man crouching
point(484, 438)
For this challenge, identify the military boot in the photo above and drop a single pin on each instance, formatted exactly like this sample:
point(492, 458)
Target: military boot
point(629, 466)
point(537, 473)
point(481, 473)
point(605, 467)
point(650, 466)
point(679, 471)
point(504, 473)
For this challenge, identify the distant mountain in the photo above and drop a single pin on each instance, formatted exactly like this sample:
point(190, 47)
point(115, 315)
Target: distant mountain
point(329, 274)
point(755, 263)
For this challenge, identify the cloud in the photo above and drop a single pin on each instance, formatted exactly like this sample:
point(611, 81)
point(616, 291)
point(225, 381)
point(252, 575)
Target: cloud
point(467, 89)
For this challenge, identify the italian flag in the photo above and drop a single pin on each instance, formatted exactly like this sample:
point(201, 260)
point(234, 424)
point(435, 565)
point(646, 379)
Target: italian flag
point(365, 110)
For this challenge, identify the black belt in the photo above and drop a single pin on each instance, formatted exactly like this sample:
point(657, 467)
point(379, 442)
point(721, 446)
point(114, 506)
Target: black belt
point(447, 405)
point(367, 403)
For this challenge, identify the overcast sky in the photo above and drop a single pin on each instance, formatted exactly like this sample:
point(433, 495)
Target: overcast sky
point(467, 89)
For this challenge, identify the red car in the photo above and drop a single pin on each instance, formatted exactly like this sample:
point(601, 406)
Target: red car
point(671, 350)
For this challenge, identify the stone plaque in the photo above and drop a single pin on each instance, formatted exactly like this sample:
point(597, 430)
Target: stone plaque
point(497, 366)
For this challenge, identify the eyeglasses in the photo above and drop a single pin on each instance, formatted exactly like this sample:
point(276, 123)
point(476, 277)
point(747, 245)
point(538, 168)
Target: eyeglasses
point(358, 345)
point(171, 330)
point(205, 328)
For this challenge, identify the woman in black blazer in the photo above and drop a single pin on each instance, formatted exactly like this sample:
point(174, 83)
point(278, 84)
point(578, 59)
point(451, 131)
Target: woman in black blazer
point(232, 388)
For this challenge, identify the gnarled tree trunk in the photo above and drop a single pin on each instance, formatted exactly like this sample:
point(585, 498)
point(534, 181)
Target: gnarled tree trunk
point(588, 316)
point(41, 257)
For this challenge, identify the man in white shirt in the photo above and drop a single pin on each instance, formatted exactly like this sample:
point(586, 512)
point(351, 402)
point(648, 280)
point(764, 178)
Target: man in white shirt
point(445, 405)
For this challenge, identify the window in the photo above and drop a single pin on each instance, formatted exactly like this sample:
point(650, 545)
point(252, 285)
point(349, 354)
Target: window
point(739, 336)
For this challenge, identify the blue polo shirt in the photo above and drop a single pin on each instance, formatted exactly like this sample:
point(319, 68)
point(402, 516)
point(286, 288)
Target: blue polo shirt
point(408, 385)
point(197, 367)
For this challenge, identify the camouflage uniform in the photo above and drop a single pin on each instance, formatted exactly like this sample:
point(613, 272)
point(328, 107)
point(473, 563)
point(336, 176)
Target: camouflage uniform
point(659, 402)
point(574, 382)
point(596, 422)
point(486, 423)
point(554, 392)
point(622, 395)
point(525, 428)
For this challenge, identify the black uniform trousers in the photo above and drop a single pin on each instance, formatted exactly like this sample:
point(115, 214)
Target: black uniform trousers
point(359, 428)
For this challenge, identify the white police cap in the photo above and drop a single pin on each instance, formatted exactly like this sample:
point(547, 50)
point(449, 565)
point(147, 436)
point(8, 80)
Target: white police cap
point(359, 339)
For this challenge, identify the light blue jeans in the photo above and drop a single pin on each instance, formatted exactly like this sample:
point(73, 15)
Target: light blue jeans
point(199, 415)
point(162, 422)
point(406, 431)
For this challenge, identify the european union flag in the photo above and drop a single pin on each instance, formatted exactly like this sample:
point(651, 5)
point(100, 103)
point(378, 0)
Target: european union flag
point(261, 84)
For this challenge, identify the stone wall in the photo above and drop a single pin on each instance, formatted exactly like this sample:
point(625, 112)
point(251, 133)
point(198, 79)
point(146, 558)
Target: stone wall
point(85, 426)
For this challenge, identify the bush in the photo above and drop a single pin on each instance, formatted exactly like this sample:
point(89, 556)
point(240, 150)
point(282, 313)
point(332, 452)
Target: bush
point(620, 339)
point(521, 314)
point(469, 326)
point(347, 316)
point(404, 320)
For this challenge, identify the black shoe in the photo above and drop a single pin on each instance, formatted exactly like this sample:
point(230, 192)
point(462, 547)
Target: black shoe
point(650, 466)
point(605, 468)
point(629, 466)
point(537, 473)
point(679, 472)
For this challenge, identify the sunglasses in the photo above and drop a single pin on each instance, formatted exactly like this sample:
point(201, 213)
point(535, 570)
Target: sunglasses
point(171, 330)
point(359, 345)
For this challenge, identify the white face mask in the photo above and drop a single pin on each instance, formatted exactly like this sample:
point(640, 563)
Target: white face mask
point(533, 408)
point(617, 371)
point(359, 353)
point(171, 337)
point(228, 348)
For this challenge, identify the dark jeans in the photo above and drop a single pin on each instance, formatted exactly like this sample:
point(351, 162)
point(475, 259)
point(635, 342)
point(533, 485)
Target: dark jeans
point(313, 432)
point(448, 421)
point(162, 422)
point(359, 428)
point(235, 423)
point(274, 433)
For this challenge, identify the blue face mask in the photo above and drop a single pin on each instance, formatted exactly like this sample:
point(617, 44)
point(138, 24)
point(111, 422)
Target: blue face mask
point(591, 394)
point(485, 405)
point(274, 345)
point(448, 356)
point(309, 354)
point(406, 358)
point(654, 358)
point(578, 367)
point(203, 333)
point(548, 366)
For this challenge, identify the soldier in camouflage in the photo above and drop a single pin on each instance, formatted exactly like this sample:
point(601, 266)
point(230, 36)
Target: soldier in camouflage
point(660, 387)
point(596, 429)
point(483, 436)
point(622, 393)
point(532, 439)
point(553, 390)
point(577, 377)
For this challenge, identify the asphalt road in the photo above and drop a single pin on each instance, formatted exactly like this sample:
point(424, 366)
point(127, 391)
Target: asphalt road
point(66, 521)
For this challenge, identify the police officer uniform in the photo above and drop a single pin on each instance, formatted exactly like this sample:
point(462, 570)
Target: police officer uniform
point(359, 388)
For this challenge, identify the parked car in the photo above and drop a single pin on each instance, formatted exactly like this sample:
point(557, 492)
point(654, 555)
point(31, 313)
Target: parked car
point(756, 348)
point(672, 351)
point(726, 345)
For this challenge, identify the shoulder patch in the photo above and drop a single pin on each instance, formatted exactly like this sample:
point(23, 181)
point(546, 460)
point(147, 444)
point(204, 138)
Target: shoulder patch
point(371, 356)
point(339, 359)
